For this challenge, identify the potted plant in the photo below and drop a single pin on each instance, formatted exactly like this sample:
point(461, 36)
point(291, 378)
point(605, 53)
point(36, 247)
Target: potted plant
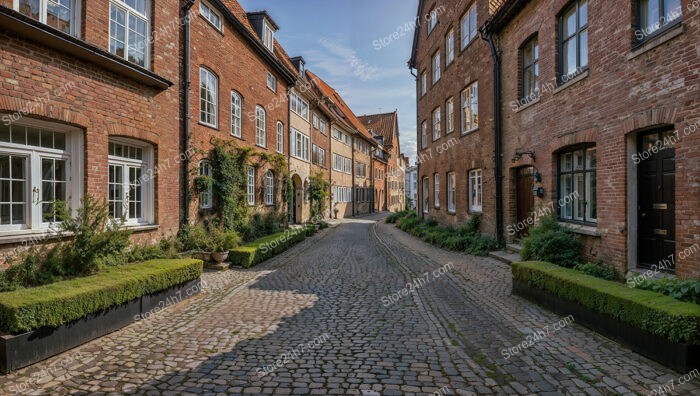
point(222, 242)
point(335, 212)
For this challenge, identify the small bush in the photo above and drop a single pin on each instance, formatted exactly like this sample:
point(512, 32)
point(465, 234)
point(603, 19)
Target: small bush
point(262, 249)
point(194, 238)
point(599, 270)
point(481, 245)
point(394, 217)
point(680, 289)
point(222, 240)
point(549, 241)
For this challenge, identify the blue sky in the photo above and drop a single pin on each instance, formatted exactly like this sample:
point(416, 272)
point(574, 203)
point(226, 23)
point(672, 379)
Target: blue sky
point(339, 41)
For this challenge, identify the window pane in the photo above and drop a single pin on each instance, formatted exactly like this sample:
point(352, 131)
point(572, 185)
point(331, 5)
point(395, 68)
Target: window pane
point(583, 14)
point(33, 137)
point(30, 8)
point(591, 158)
point(584, 49)
point(591, 207)
point(59, 15)
point(672, 10)
point(569, 23)
point(567, 188)
point(578, 202)
point(569, 52)
point(4, 133)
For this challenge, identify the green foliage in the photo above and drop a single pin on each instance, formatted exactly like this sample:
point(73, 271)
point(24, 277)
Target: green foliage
point(319, 188)
point(222, 240)
point(62, 302)
point(680, 289)
point(394, 217)
point(207, 238)
point(229, 171)
point(261, 225)
point(599, 270)
point(552, 242)
point(658, 314)
point(262, 249)
point(203, 183)
point(481, 245)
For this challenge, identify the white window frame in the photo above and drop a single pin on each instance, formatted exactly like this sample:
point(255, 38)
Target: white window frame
point(72, 154)
point(323, 126)
point(342, 164)
point(468, 25)
point(470, 108)
point(280, 137)
point(250, 186)
point(206, 11)
point(269, 188)
point(437, 123)
point(432, 21)
point(206, 197)
point(299, 145)
point(451, 196)
point(43, 14)
point(236, 114)
point(146, 164)
point(436, 191)
point(271, 82)
point(268, 36)
point(260, 126)
point(450, 113)
point(145, 17)
point(209, 76)
point(476, 190)
point(299, 106)
point(318, 155)
point(424, 83)
point(450, 47)
point(436, 67)
point(315, 120)
point(426, 198)
point(424, 135)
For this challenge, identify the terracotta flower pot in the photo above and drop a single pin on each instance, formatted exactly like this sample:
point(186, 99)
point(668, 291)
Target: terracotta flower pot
point(219, 257)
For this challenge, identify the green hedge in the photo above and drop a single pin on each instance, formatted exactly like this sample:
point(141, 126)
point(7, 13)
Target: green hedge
point(658, 314)
point(62, 302)
point(269, 246)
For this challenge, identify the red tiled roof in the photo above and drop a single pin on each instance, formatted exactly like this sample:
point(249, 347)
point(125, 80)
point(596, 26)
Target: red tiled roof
point(347, 114)
point(383, 125)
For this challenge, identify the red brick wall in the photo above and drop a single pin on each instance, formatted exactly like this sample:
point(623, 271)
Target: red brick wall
point(620, 96)
point(456, 152)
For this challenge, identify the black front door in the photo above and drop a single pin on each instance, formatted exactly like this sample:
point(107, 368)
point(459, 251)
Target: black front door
point(293, 207)
point(656, 178)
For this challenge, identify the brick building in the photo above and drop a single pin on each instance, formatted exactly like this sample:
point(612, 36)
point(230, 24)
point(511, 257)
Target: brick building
point(83, 113)
point(456, 173)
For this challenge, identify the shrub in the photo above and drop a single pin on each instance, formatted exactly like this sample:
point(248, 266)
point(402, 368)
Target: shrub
point(394, 217)
point(481, 245)
point(680, 289)
point(222, 240)
point(62, 302)
point(549, 241)
point(599, 270)
point(261, 249)
point(658, 314)
point(194, 238)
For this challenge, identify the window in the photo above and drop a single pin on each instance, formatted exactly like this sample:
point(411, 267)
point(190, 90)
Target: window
point(342, 164)
point(271, 82)
point(470, 108)
point(360, 170)
point(36, 169)
point(250, 186)
point(475, 194)
point(129, 30)
point(129, 186)
point(362, 146)
point(280, 137)
point(451, 181)
point(209, 14)
point(236, 109)
point(652, 15)
point(424, 135)
point(337, 135)
point(342, 194)
point(436, 124)
point(468, 26)
point(577, 185)
point(432, 22)
point(450, 110)
point(268, 36)
point(260, 125)
point(318, 155)
point(573, 28)
point(450, 47)
point(205, 197)
point(299, 145)
point(315, 120)
point(299, 106)
point(269, 188)
point(208, 94)
point(436, 190)
point(59, 14)
point(424, 84)
point(323, 126)
point(530, 69)
point(436, 67)
point(426, 188)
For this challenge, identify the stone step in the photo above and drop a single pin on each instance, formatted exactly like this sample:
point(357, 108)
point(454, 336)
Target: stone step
point(217, 266)
point(514, 248)
point(505, 257)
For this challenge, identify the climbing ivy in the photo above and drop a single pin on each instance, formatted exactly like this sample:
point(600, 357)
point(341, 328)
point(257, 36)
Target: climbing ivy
point(318, 193)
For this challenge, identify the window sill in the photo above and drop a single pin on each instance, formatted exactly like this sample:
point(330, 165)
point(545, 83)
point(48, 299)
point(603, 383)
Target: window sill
point(14, 237)
point(571, 82)
point(529, 104)
point(582, 229)
point(658, 39)
point(27, 28)
point(214, 127)
point(469, 132)
point(142, 227)
point(219, 30)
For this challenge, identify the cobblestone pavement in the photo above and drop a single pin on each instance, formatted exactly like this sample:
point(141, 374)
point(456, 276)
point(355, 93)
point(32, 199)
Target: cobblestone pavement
point(323, 318)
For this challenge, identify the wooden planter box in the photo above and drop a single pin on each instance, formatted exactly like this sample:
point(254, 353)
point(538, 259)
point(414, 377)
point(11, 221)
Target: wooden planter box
point(21, 350)
point(681, 357)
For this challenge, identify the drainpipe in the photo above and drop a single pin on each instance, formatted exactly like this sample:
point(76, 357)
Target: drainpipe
point(186, 108)
point(488, 36)
point(352, 170)
point(371, 177)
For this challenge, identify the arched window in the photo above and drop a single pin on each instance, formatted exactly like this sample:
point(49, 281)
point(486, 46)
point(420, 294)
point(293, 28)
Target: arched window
point(236, 108)
point(208, 97)
point(205, 197)
point(260, 136)
point(269, 188)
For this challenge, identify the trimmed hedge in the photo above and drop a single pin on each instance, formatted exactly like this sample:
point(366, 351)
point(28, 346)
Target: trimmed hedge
point(62, 302)
point(269, 246)
point(653, 312)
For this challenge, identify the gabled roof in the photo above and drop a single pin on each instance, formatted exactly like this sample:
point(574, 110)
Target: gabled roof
point(344, 111)
point(385, 125)
point(506, 11)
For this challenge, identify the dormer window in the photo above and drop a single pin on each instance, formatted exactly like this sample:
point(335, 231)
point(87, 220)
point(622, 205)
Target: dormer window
point(268, 36)
point(59, 14)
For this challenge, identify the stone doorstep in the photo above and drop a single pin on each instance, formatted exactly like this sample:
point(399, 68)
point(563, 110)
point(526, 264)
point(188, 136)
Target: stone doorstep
point(514, 248)
point(505, 257)
point(218, 266)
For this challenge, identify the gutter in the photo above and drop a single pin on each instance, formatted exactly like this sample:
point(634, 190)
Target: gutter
point(186, 109)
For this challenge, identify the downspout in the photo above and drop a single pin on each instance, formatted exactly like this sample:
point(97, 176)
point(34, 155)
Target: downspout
point(352, 172)
point(371, 177)
point(186, 108)
point(488, 36)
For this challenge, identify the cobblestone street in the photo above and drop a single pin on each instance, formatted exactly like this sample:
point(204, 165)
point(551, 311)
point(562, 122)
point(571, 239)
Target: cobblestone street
point(329, 305)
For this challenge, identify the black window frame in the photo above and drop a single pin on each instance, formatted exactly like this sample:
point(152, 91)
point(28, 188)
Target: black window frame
point(638, 28)
point(535, 62)
point(572, 149)
point(560, 42)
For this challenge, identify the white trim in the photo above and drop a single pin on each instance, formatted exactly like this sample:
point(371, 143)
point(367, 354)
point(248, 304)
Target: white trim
point(147, 37)
point(213, 10)
point(146, 164)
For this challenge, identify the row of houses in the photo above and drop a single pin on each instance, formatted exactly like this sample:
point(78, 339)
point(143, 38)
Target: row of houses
point(124, 100)
point(587, 110)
